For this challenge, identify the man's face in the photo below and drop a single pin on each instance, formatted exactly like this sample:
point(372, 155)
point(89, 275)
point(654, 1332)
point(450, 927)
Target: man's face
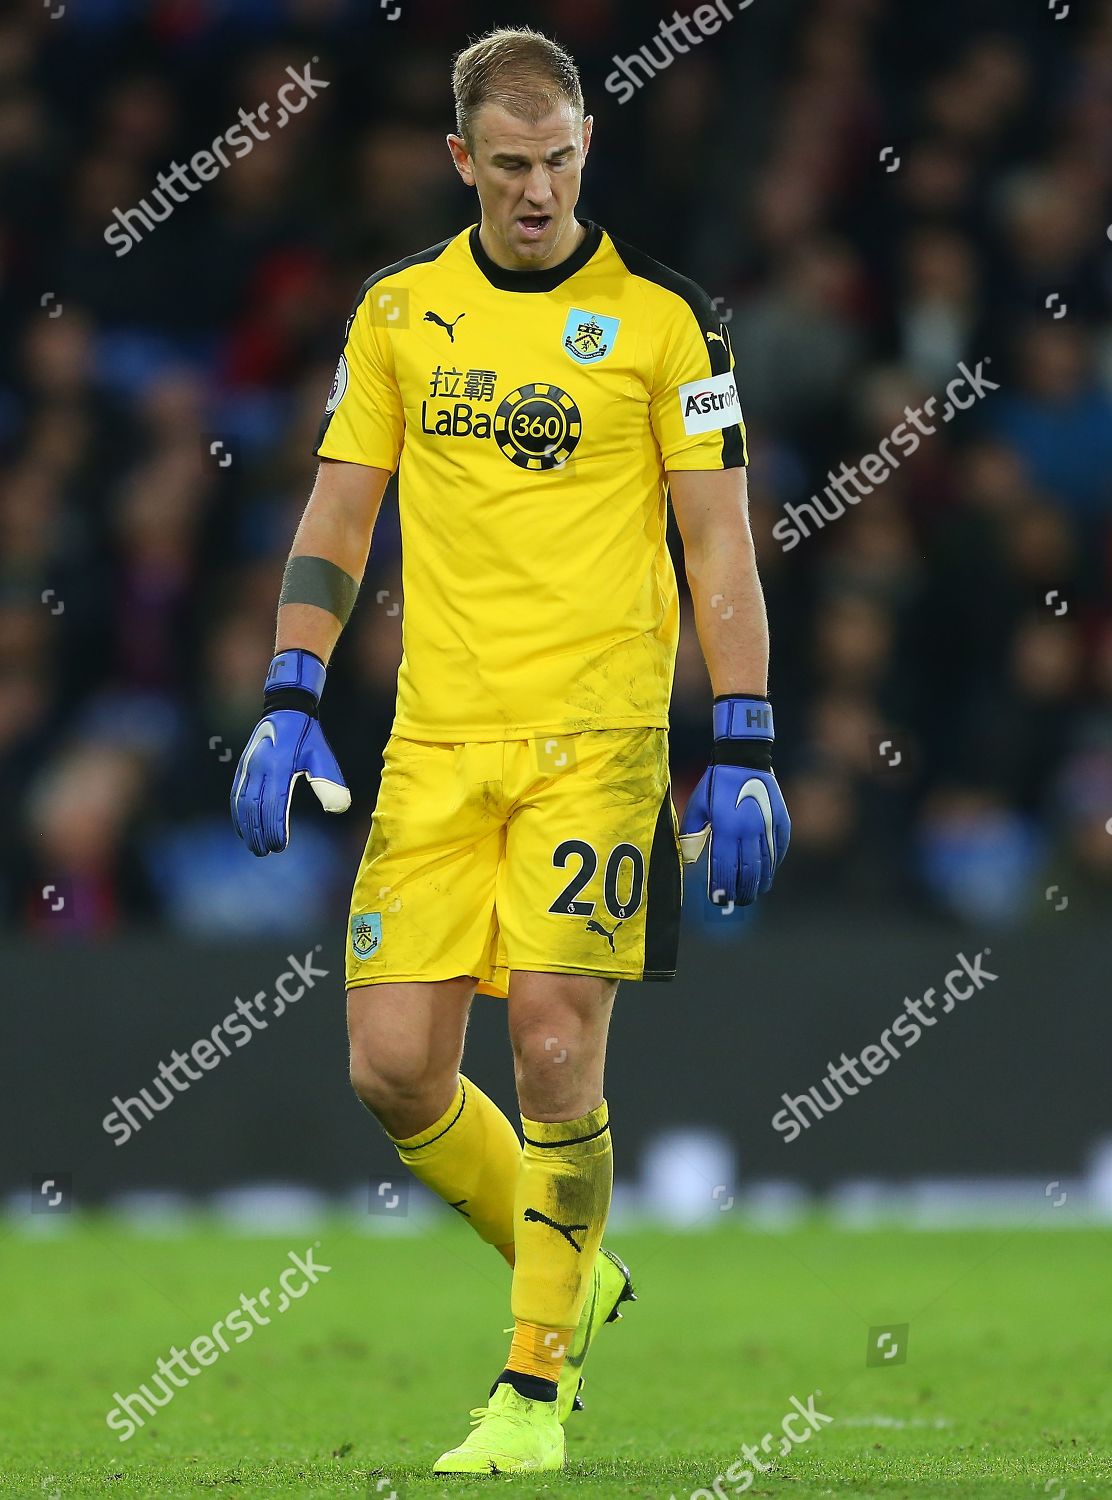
point(528, 179)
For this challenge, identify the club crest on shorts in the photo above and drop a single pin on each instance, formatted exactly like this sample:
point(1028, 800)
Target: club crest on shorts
point(366, 934)
point(589, 337)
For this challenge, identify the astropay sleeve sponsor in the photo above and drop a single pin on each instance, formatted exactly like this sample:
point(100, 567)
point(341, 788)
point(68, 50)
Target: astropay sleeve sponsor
point(710, 404)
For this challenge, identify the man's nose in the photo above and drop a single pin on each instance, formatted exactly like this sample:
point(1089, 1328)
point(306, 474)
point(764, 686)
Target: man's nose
point(537, 188)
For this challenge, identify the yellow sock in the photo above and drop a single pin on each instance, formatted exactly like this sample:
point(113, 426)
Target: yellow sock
point(560, 1209)
point(538, 1351)
point(471, 1157)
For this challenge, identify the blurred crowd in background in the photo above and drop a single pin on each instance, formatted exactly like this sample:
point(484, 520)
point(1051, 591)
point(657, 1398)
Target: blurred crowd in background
point(875, 192)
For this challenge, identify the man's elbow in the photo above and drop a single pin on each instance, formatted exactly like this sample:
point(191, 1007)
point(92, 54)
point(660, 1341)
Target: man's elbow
point(726, 543)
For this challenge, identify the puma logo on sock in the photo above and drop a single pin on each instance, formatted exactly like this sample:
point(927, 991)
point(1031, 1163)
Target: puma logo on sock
point(534, 1216)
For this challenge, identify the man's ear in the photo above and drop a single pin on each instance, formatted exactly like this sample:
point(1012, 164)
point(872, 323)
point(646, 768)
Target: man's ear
point(462, 159)
point(588, 132)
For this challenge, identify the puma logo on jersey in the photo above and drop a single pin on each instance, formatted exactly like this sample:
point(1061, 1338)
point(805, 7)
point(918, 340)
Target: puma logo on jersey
point(600, 931)
point(711, 337)
point(534, 1216)
point(449, 328)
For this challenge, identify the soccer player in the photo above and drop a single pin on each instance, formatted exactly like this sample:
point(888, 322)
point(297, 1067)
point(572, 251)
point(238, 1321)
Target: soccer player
point(541, 387)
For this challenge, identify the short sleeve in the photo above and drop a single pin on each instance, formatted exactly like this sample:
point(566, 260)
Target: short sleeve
point(364, 419)
point(694, 407)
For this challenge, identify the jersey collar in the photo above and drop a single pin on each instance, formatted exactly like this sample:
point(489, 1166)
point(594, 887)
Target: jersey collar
point(536, 281)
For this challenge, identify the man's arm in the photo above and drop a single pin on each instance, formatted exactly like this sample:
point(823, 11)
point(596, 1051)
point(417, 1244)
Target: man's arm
point(328, 557)
point(319, 587)
point(737, 807)
point(712, 512)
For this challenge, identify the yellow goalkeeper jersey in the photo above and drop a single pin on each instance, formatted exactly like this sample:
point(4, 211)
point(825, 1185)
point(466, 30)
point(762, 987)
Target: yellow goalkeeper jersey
point(534, 417)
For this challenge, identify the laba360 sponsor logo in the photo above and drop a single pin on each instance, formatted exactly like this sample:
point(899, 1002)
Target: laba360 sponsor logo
point(458, 420)
point(469, 391)
point(537, 427)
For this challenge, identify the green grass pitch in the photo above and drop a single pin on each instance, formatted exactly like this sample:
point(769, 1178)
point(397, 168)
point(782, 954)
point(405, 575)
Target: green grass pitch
point(1006, 1391)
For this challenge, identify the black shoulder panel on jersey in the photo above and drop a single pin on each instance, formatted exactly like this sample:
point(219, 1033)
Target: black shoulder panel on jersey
point(434, 252)
point(637, 263)
point(423, 257)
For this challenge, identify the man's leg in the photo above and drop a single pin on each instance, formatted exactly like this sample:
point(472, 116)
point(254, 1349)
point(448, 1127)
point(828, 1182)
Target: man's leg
point(558, 1029)
point(558, 1026)
point(406, 1047)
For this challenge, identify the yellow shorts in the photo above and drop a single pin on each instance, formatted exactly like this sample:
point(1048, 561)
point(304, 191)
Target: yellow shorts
point(559, 854)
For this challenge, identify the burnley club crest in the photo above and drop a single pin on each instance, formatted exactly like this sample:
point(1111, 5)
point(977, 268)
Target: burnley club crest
point(589, 337)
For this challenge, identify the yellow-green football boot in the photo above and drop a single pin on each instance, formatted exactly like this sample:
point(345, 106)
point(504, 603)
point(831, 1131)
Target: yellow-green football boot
point(510, 1435)
point(610, 1287)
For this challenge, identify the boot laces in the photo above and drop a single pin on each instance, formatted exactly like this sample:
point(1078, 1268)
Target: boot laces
point(480, 1413)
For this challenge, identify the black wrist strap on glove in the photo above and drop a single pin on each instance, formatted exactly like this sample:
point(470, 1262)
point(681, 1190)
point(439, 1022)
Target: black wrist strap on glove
point(743, 731)
point(756, 754)
point(295, 680)
point(296, 698)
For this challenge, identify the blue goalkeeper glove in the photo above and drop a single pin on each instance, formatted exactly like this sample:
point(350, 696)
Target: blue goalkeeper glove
point(738, 806)
point(287, 743)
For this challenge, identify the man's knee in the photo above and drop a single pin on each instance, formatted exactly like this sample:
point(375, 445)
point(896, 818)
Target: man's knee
point(544, 1045)
point(558, 1033)
point(382, 1080)
point(399, 1082)
point(406, 1044)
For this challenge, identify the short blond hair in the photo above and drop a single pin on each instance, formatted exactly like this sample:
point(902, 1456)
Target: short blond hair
point(523, 71)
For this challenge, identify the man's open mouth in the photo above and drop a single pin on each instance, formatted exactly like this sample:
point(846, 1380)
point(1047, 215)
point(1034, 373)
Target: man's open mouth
point(534, 225)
